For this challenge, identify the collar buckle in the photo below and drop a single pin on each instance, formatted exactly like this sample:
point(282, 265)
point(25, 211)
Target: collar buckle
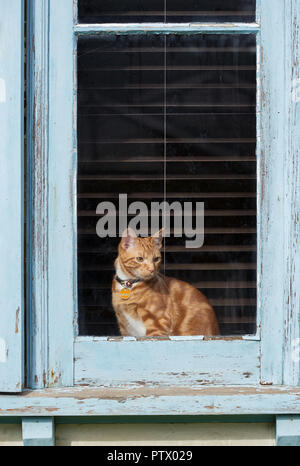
point(127, 283)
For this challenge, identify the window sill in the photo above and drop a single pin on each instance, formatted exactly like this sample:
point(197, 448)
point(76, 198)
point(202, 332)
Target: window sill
point(217, 400)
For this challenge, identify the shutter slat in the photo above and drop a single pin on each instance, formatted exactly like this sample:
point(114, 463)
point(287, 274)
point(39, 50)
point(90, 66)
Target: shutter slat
point(199, 285)
point(234, 266)
point(212, 231)
point(208, 213)
point(178, 195)
point(233, 302)
point(220, 248)
point(208, 158)
point(175, 68)
point(171, 86)
point(170, 177)
point(170, 50)
point(177, 13)
point(169, 140)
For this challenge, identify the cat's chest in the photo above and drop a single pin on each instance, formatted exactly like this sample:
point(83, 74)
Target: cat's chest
point(135, 327)
point(127, 310)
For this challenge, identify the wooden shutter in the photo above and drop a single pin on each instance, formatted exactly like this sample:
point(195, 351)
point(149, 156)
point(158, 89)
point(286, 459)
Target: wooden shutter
point(11, 198)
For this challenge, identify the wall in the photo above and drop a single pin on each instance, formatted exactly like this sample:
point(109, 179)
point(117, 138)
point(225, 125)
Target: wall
point(152, 434)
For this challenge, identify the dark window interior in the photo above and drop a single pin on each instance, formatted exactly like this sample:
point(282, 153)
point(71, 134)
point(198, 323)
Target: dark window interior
point(170, 117)
point(176, 11)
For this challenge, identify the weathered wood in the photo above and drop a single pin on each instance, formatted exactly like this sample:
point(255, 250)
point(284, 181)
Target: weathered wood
point(288, 431)
point(237, 362)
point(62, 288)
point(50, 190)
point(38, 431)
point(37, 189)
point(279, 231)
point(291, 271)
point(152, 401)
point(271, 216)
point(182, 361)
point(168, 28)
point(11, 198)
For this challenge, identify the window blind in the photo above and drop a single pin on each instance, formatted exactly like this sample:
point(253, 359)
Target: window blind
point(170, 117)
point(134, 11)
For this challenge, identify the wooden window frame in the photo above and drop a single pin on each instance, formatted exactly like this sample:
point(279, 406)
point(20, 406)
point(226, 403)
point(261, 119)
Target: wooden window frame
point(253, 374)
point(12, 196)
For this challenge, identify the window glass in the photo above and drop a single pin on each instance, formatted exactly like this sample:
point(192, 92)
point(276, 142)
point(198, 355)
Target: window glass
point(133, 11)
point(170, 117)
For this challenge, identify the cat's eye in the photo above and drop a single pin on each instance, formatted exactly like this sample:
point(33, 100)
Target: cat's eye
point(139, 259)
point(156, 259)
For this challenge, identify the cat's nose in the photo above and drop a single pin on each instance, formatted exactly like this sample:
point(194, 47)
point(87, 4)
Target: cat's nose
point(151, 270)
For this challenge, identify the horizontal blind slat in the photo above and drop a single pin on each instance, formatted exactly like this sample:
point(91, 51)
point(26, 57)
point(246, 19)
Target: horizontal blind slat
point(199, 285)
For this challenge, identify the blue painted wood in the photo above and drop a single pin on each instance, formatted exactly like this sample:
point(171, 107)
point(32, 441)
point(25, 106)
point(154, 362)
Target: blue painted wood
point(182, 363)
point(119, 363)
point(258, 11)
point(38, 432)
point(279, 276)
point(156, 401)
point(168, 28)
point(291, 271)
point(11, 195)
point(112, 362)
point(288, 431)
point(61, 195)
point(271, 215)
point(37, 205)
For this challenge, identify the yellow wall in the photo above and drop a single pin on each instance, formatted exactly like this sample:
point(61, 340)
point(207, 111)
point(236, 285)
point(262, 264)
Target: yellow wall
point(10, 435)
point(152, 434)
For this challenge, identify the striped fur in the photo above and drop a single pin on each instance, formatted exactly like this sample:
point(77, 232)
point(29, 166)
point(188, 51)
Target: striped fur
point(158, 305)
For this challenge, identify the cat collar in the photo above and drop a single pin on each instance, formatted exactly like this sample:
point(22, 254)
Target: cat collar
point(127, 283)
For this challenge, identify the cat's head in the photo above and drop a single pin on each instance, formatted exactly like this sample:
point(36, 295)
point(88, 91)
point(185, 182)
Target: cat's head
point(140, 257)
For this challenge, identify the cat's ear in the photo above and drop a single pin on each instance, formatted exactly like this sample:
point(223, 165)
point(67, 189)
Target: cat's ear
point(158, 238)
point(128, 238)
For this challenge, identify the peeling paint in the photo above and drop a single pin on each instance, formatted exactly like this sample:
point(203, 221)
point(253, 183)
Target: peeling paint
point(142, 401)
point(2, 91)
point(17, 320)
point(3, 351)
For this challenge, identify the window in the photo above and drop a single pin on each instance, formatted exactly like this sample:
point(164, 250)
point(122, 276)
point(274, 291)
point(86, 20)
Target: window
point(69, 341)
point(118, 148)
point(169, 118)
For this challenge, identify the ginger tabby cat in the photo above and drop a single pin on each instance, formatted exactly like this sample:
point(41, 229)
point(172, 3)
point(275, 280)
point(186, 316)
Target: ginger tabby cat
point(149, 304)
